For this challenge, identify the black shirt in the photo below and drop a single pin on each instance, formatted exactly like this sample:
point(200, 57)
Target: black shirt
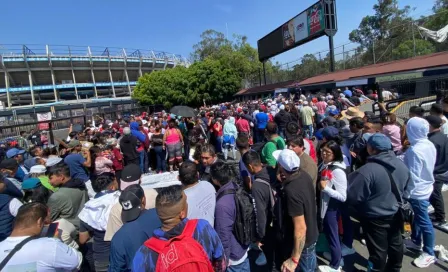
point(101, 248)
point(300, 199)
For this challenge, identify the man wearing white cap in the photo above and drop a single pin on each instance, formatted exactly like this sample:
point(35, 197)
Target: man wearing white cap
point(300, 237)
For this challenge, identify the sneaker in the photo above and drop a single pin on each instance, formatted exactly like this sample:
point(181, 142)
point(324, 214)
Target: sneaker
point(443, 254)
point(430, 209)
point(326, 268)
point(424, 260)
point(345, 250)
point(327, 257)
point(409, 244)
point(363, 241)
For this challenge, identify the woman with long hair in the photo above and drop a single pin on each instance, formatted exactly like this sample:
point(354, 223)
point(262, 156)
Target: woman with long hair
point(173, 141)
point(100, 164)
point(333, 193)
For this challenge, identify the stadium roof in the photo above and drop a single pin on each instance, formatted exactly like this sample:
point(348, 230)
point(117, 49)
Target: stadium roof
point(411, 64)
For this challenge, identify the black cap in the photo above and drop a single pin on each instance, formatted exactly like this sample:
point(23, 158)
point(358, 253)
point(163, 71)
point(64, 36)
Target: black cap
point(10, 164)
point(131, 173)
point(434, 121)
point(330, 121)
point(131, 202)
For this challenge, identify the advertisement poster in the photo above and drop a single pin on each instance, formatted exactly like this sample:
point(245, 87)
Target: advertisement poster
point(288, 34)
point(301, 27)
point(43, 117)
point(316, 21)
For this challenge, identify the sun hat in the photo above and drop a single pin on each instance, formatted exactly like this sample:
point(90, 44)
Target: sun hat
point(352, 112)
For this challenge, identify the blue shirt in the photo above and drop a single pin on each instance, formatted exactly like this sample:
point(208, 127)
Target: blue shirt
point(348, 93)
point(129, 238)
point(244, 172)
point(146, 259)
point(20, 174)
point(76, 164)
point(262, 120)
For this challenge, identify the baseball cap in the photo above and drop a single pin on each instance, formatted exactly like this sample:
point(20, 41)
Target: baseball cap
point(333, 112)
point(9, 164)
point(288, 159)
point(131, 202)
point(51, 161)
point(330, 133)
point(330, 121)
point(130, 175)
point(30, 162)
point(74, 143)
point(282, 107)
point(30, 183)
point(38, 169)
point(14, 152)
point(380, 142)
point(434, 121)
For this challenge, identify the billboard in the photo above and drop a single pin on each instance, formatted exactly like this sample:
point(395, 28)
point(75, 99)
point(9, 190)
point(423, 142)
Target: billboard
point(308, 25)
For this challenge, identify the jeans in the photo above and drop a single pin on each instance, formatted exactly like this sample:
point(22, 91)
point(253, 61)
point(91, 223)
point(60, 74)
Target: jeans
point(347, 225)
point(422, 226)
point(331, 231)
point(309, 131)
point(141, 155)
point(218, 145)
point(259, 135)
point(436, 200)
point(225, 151)
point(384, 243)
point(186, 148)
point(281, 133)
point(308, 261)
point(242, 267)
point(161, 158)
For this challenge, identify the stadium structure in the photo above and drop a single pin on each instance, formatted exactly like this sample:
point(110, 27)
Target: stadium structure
point(41, 75)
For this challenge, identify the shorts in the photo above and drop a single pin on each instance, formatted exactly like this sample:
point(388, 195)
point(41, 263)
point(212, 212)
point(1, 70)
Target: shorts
point(174, 151)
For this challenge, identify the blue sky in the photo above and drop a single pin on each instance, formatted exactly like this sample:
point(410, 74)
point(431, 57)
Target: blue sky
point(168, 25)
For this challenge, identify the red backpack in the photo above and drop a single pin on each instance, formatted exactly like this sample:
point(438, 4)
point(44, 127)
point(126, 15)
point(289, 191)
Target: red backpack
point(181, 253)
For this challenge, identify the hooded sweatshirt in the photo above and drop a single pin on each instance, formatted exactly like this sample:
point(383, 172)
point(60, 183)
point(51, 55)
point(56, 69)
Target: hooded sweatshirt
point(128, 146)
point(369, 190)
point(230, 128)
point(135, 131)
point(420, 158)
point(282, 118)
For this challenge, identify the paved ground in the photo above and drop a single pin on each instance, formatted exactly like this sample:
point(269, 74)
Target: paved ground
point(358, 261)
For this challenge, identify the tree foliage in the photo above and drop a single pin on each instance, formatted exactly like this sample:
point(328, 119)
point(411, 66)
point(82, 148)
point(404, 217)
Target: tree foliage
point(205, 80)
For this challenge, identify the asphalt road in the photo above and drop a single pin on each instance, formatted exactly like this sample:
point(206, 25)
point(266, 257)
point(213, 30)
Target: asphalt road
point(358, 261)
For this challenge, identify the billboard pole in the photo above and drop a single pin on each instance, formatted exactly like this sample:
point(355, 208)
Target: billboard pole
point(264, 73)
point(330, 40)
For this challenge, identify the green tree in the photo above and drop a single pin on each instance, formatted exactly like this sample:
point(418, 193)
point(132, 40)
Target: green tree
point(406, 49)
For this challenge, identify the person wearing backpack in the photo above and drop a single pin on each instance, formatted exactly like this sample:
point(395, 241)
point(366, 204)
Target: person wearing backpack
point(227, 212)
point(180, 244)
point(263, 195)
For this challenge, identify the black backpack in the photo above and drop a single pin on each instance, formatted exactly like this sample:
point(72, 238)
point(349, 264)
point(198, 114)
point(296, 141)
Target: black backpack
point(245, 224)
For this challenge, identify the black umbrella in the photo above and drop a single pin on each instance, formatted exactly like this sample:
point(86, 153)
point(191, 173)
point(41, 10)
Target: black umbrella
point(183, 111)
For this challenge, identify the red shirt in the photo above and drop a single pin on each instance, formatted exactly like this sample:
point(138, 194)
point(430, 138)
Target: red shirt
point(312, 150)
point(217, 129)
point(117, 159)
point(242, 125)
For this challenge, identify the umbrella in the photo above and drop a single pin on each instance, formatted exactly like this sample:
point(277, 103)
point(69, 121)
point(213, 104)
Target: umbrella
point(183, 111)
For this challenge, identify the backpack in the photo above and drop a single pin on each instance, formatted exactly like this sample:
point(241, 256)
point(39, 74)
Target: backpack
point(245, 224)
point(258, 147)
point(181, 253)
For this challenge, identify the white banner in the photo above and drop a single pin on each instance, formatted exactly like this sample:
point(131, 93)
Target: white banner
point(160, 180)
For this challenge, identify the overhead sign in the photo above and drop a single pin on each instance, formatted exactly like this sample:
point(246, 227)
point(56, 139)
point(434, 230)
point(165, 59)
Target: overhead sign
point(353, 82)
point(399, 77)
point(307, 26)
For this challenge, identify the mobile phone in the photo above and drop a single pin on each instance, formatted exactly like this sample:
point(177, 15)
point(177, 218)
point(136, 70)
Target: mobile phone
point(50, 230)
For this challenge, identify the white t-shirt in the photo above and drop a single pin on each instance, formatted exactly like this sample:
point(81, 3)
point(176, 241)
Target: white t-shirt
point(201, 199)
point(42, 255)
point(387, 95)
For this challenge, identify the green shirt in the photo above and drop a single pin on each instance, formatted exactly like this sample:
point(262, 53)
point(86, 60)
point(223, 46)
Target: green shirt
point(46, 183)
point(269, 148)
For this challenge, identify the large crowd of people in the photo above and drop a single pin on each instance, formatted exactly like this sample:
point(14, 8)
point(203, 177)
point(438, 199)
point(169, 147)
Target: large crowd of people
point(262, 185)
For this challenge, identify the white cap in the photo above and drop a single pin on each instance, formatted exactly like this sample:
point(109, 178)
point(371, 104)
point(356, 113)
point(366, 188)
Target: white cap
point(305, 102)
point(53, 161)
point(287, 159)
point(282, 107)
point(38, 169)
point(269, 104)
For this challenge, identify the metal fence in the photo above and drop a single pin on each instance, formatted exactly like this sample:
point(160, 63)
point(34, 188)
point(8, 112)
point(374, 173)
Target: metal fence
point(15, 121)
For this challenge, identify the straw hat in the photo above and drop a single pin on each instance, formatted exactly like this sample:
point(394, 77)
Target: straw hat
point(352, 112)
